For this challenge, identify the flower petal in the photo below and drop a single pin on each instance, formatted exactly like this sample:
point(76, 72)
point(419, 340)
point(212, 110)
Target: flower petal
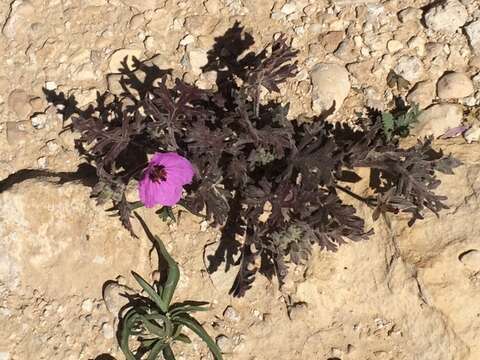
point(179, 170)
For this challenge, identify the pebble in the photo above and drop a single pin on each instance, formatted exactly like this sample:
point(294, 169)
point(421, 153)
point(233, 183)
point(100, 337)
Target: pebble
point(196, 59)
point(471, 259)
point(42, 162)
point(331, 40)
point(19, 104)
point(188, 39)
point(112, 296)
point(289, 8)
point(231, 314)
point(437, 119)
point(119, 56)
point(473, 33)
point(454, 85)
point(446, 17)
point(472, 134)
point(224, 343)
point(410, 68)
point(410, 14)
point(87, 305)
point(50, 85)
point(422, 94)
point(39, 121)
point(394, 45)
point(330, 84)
point(107, 331)
point(4, 355)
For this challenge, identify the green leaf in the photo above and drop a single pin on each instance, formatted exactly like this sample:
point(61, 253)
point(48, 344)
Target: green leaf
point(166, 321)
point(156, 350)
point(173, 273)
point(153, 328)
point(151, 292)
point(165, 213)
point(168, 353)
point(388, 124)
point(183, 338)
point(126, 325)
point(193, 325)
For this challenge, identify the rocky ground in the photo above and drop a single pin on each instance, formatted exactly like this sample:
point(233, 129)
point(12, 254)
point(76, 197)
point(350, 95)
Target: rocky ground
point(406, 293)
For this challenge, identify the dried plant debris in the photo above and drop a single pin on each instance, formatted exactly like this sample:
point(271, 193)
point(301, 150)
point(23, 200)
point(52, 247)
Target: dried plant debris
point(272, 180)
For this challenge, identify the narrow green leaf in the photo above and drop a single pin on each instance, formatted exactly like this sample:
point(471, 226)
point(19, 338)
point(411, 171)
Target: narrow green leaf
point(173, 273)
point(183, 338)
point(153, 328)
point(151, 292)
point(159, 346)
point(166, 321)
point(168, 353)
point(193, 325)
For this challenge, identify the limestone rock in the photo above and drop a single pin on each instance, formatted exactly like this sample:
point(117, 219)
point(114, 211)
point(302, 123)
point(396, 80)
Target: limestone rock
point(330, 84)
point(437, 119)
point(471, 259)
point(410, 68)
point(446, 17)
point(196, 59)
point(21, 14)
point(473, 34)
point(454, 85)
point(19, 104)
point(422, 94)
point(121, 55)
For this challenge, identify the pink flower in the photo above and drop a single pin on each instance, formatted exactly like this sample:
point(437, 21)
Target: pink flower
point(163, 179)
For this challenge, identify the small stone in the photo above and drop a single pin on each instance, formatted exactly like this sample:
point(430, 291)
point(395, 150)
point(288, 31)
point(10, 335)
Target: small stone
point(188, 39)
point(446, 17)
point(112, 296)
point(331, 40)
point(437, 119)
point(410, 68)
point(417, 43)
point(212, 6)
point(289, 8)
point(231, 314)
point(347, 50)
point(471, 259)
point(107, 331)
point(203, 226)
point(422, 94)
point(39, 121)
point(4, 355)
point(394, 45)
point(224, 343)
point(410, 14)
point(50, 85)
point(87, 305)
point(136, 21)
point(472, 134)
point(473, 34)
point(330, 85)
point(454, 85)
point(19, 104)
point(42, 162)
point(119, 57)
point(197, 58)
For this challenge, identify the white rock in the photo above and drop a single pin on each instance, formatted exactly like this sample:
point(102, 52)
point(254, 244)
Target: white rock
point(107, 331)
point(224, 343)
point(410, 14)
point(446, 17)
point(188, 39)
point(197, 58)
point(437, 119)
point(330, 84)
point(231, 314)
point(39, 121)
point(50, 85)
point(410, 68)
point(394, 45)
point(4, 355)
point(422, 94)
point(471, 259)
point(87, 305)
point(289, 8)
point(120, 55)
point(473, 34)
point(472, 134)
point(454, 85)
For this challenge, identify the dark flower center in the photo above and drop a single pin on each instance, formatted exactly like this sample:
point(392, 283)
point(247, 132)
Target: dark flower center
point(158, 173)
